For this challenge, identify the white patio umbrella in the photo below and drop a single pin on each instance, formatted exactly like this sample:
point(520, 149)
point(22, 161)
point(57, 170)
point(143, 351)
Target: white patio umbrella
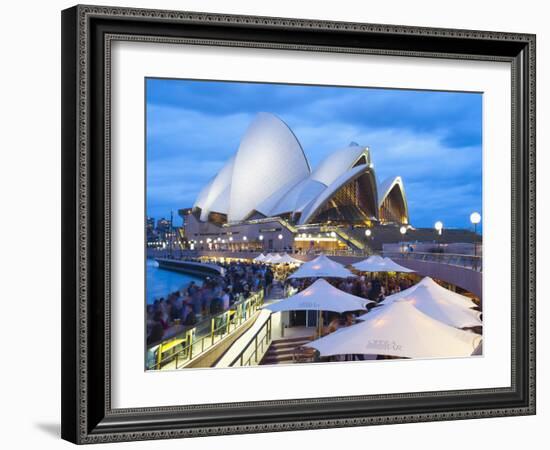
point(377, 263)
point(322, 267)
point(400, 330)
point(320, 296)
point(436, 291)
point(287, 259)
point(479, 349)
point(259, 258)
point(437, 306)
point(272, 258)
point(394, 267)
point(371, 264)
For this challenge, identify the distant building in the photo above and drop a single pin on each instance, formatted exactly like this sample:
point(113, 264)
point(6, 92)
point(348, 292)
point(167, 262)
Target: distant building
point(150, 229)
point(163, 228)
point(270, 176)
point(267, 196)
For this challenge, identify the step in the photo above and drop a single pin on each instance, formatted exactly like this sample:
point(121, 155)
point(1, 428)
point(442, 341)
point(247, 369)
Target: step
point(285, 348)
point(286, 352)
point(295, 341)
point(292, 340)
point(277, 359)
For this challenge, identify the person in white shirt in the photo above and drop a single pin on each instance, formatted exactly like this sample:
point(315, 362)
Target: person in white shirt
point(225, 299)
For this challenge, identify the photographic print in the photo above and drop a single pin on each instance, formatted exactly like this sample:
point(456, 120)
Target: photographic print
point(300, 224)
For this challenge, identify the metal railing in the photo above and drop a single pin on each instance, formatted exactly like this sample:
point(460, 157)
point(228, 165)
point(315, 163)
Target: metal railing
point(349, 239)
point(256, 347)
point(183, 347)
point(285, 223)
point(467, 261)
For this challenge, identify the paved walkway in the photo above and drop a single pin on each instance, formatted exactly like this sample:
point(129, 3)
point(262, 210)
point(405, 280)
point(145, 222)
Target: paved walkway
point(276, 292)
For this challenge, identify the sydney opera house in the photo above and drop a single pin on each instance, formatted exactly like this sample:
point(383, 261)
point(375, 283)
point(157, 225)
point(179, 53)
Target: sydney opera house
point(268, 196)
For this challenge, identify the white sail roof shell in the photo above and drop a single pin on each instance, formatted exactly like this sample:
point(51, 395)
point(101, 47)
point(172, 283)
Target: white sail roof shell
point(269, 157)
point(201, 199)
point(215, 196)
point(270, 174)
point(386, 187)
point(293, 199)
point(340, 181)
point(338, 162)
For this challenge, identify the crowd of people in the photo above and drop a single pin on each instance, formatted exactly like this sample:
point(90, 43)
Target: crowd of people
point(372, 288)
point(194, 302)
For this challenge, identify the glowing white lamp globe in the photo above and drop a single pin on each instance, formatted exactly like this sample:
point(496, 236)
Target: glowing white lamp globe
point(475, 218)
point(438, 226)
point(403, 229)
point(368, 233)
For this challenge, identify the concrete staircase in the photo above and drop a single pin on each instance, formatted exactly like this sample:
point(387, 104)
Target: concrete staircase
point(276, 292)
point(281, 351)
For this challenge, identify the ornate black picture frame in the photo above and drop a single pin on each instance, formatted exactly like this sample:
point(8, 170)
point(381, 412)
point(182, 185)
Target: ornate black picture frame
point(87, 33)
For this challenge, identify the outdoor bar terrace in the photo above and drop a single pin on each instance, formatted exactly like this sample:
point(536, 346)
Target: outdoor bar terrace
point(248, 334)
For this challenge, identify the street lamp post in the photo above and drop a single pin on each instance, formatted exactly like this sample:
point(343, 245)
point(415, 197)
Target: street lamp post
point(368, 234)
point(438, 227)
point(475, 218)
point(403, 230)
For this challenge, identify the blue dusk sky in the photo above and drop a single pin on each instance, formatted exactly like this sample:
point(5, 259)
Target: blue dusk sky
point(431, 139)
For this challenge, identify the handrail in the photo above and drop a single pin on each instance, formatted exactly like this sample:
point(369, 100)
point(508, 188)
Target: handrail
point(347, 237)
point(341, 234)
point(195, 327)
point(282, 221)
point(472, 262)
point(258, 344)
point(221, 325)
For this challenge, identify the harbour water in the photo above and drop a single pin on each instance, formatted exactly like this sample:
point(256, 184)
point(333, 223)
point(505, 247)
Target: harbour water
point(161, 282)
